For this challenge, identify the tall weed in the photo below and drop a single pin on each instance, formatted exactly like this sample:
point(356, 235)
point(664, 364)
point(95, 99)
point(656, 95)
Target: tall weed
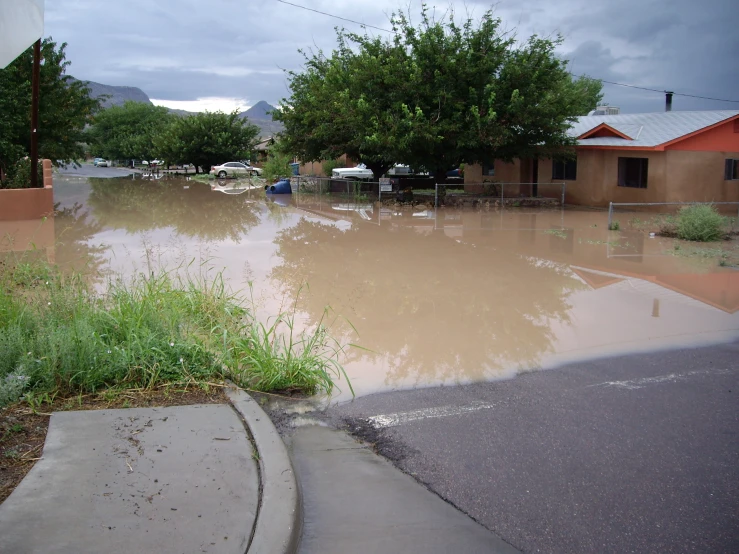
point(57, 334)
point(700, 222)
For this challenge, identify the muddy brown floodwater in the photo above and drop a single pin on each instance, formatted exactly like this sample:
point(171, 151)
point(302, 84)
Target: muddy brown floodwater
point(446, 296)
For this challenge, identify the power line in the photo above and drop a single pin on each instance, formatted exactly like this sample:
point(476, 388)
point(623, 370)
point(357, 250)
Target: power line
point(601, 80)
point(664, 91)
point(334, 16)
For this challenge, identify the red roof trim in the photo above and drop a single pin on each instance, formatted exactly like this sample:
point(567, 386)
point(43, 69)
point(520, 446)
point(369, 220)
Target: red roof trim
point(604, 127)
point(699, 131)
point(614, 147)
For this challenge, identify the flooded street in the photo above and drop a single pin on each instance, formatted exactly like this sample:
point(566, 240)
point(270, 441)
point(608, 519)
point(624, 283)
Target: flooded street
point(432, 297)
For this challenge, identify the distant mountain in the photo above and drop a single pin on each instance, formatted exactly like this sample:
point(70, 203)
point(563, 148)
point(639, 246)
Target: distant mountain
point(260, 110)
point(259, 114)
point(117, 95)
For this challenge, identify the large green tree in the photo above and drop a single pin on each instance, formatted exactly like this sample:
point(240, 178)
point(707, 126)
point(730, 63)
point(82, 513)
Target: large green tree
point(127, 132)
point(206, 139)
point(434, 96)
point(65, 107)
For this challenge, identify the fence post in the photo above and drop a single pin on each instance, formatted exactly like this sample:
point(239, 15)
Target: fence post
point(564, 185)
point(610, 214)
point(502, 188)
point(436, 195)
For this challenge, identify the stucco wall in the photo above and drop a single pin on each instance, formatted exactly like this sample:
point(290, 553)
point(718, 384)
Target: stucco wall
point(312, 168)
point(597, 178)
point(504, 173)
point(20, 204)
point(315, 169)
point(699, 176)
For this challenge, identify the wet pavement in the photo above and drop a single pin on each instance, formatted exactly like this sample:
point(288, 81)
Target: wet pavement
point(635, 453)
point(450, 296)
point(171, 479)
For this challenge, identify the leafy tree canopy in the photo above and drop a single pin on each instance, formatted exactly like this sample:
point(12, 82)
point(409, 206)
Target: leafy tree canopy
point(434, 96)
point(65, 107)
point(127, 132)
point(206, 139)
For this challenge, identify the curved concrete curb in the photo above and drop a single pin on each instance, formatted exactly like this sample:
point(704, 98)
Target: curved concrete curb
point(279, 521)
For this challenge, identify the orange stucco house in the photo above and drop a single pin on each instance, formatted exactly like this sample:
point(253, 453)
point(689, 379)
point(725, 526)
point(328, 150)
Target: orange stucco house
point(651, 157)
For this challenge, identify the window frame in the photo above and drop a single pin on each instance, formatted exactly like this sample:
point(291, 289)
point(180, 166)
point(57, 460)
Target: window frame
point(731, 169)
point(567, 170)
point(643, 171)
point(488, 169)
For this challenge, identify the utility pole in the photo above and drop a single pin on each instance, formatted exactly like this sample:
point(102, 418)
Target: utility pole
point(34, 111)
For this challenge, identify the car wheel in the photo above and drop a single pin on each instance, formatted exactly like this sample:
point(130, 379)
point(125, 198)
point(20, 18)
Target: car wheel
point(255, 174)
point(221, 174)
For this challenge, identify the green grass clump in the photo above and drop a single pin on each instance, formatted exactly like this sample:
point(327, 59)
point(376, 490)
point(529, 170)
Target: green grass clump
point(615, 226)
point(700, 222)
point(59, 336)
point(275, 357)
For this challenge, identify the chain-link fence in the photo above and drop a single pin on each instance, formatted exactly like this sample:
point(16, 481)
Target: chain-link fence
point(505, 193)
point(327, 185)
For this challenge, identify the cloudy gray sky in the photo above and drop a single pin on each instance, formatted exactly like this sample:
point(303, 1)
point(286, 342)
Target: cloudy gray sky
point(222, 54)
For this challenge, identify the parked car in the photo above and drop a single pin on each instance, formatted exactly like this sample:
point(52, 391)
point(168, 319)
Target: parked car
point(233, 187)
point(455, 174)
point(359, 172)
point(234, 169)
point(254, 170)
point(400, 170)
point(100, 162)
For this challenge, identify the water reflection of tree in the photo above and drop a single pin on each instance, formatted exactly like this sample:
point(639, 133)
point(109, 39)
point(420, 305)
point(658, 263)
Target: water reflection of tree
point(74, 232)
point(195, 211)
point(441, 309)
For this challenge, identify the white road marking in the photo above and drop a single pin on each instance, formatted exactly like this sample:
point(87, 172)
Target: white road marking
point(669, 378)
point(391, 420)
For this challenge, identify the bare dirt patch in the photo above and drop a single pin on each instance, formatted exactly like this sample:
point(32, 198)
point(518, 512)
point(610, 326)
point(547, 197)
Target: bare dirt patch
point(23, 431)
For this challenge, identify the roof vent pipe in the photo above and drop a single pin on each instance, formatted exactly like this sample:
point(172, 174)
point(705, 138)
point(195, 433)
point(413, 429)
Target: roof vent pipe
point(668, 100)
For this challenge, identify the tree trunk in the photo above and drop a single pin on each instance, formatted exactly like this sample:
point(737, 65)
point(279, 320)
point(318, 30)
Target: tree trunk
point(378, 169)
point(440, 175)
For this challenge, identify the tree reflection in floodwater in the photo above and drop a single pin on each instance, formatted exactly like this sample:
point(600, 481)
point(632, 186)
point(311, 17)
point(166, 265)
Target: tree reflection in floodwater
point(437, 308)
point(74, 246)
point(191, 208)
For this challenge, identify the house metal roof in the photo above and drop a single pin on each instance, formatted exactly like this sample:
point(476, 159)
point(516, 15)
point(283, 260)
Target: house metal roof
point(648, 129)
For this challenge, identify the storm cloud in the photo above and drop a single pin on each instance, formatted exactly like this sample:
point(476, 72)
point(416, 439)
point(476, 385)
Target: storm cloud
point(185, 50)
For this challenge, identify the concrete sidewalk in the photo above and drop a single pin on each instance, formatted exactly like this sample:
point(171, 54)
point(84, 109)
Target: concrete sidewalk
point(189, 479)
point(355, 501)
point(174, 479)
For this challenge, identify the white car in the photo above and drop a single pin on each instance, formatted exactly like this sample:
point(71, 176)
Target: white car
point(400, 170)
point(233, 169)
point(353, 173)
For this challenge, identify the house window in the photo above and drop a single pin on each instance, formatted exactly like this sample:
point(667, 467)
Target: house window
point(632, 172)
point(565, 170)
point(731, 170)
point(488, 169)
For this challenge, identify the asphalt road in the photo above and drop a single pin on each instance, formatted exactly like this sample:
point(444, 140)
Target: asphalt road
point(630, 454)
